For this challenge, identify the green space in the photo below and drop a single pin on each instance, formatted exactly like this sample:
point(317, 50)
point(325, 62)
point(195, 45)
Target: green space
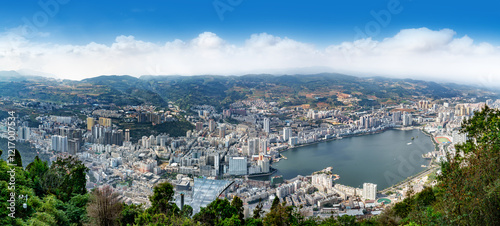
point(173, 128)
point(384, 201)
point(443, 140)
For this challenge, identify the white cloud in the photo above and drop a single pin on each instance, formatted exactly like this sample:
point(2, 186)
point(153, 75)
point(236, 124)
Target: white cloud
point(412, 53)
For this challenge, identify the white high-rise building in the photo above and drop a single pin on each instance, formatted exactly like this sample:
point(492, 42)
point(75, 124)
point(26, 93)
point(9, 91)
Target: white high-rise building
point(284, 190)
point(293, 141)
point(60, 143)
point(146, 143)
point(238, 166)
point(369, 191)
point(396, 117)
point(321, 180)
point(287, 133)
point(264, 165)
point(23, 133)
point(267, 127)
point(54, 142)
point(253, 146)
point(263, 146)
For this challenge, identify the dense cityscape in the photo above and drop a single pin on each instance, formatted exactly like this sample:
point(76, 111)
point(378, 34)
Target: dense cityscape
point(218, 159)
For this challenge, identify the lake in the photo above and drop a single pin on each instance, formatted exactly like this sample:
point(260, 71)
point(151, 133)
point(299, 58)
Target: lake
point(384, 158)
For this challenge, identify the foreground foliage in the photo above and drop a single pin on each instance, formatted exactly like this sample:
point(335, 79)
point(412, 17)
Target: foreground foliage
point(468, 189)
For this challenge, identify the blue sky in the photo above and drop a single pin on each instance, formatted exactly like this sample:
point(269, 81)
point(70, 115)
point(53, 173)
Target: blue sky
point(439, 40)
point(318, 22)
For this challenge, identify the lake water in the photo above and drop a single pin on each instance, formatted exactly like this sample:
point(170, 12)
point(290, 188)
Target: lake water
point(384, 159)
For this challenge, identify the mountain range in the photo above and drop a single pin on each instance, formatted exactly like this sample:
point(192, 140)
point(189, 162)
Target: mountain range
point(220, 91)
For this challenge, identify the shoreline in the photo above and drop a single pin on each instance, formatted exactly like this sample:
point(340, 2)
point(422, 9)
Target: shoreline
point(353, 135)
point(426, 169)
point(334, 138)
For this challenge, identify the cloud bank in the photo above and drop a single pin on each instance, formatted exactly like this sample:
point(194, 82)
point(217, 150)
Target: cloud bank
point(412, 53)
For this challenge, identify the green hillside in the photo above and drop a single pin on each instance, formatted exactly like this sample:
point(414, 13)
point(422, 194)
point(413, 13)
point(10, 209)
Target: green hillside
point(220, 91)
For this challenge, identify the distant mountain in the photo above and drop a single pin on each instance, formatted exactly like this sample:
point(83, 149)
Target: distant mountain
point(128, 85)
point(221, 91)
point(12, 76)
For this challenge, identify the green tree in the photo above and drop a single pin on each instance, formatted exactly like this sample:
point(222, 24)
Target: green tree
point(254, 222)
point(161, 219)
point(237, 203)
point(468, 189)
point(104, 208)
point(17, 158)
point(276, 202)
point(49, 213)
point(280, 214)
point(215, 212)
point(232, 221)
point(162, 200)
point(257, 212)
point(130, 213)
point(469, 182)
point(37, 170)
point(346, 220)
point(187, 211)
point(65, 178)
point(9, 173)
point(76, 209)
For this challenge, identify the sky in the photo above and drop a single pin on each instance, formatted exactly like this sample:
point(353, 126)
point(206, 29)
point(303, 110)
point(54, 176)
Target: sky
point(446, 41)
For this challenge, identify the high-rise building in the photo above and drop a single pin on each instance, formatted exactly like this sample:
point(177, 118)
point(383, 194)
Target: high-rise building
point(407, 119)
point(263, 146)
point(90, 123)
point(73, 146)
point(199, 126)
point(23, 133)
point(423, 104)
point(108, 137)
point(145, 142)
point(141, 117)
point(287, 133)
point(54, 143)
point(238, 166)
point(284, 190)
point(117, 137)
point(222, 131)
point(211, 125)
point(152, 140)
point(106, 122)
point(127, 135)
point(396, 117)
point(369, 191)
point(322, 181)
point(216, 163)
point(253, 146)
point(264, 165)
point(98, 132)
point(267, 123)
point(60, 143)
